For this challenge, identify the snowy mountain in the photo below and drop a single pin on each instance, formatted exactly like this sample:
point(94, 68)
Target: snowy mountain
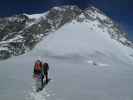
point(89, 57)
point(20, 33)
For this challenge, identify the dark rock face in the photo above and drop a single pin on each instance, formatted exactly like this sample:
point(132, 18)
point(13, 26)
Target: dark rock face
point(10, 26)
point(60, 17)
point(4, 54)
point(20, 33)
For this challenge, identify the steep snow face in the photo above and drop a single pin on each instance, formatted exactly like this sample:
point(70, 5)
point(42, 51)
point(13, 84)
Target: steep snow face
point(83, 39)
point(75, 38)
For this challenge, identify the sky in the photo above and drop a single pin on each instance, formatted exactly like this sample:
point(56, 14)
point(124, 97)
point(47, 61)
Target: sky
point(119, 10)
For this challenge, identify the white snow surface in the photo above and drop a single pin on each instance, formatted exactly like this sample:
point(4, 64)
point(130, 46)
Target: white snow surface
point(85, 64)
point(37, 16)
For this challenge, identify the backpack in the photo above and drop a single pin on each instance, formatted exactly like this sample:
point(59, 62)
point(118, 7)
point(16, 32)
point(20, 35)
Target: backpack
point(45, 67)
point(38, 66)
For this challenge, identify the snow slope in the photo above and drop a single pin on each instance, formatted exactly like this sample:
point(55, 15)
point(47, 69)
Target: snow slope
point(83, 39)
point(85, 63)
